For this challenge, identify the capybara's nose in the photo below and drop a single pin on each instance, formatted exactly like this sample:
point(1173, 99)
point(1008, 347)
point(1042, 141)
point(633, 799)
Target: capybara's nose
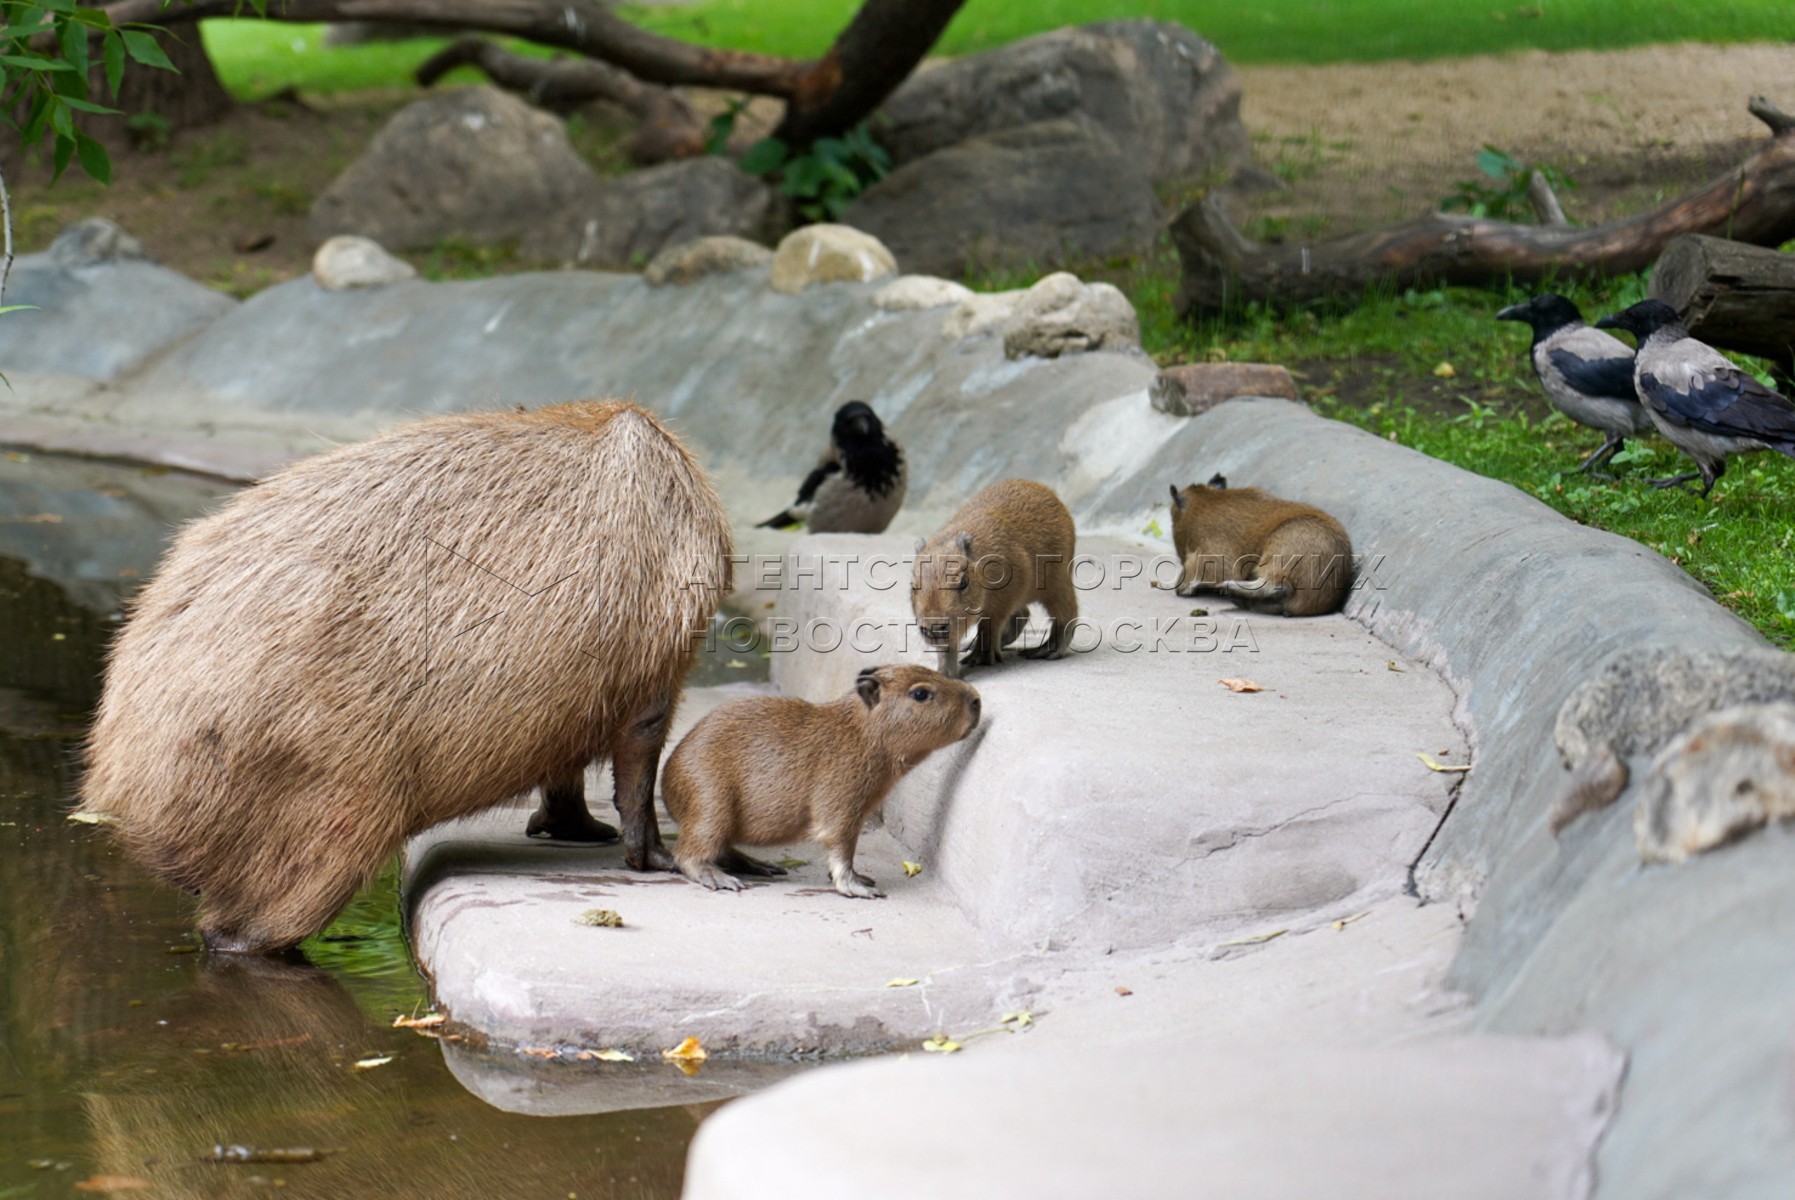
point(935, 631)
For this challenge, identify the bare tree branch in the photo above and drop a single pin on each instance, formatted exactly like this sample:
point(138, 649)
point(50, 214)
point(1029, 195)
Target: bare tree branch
point(1779, 121)
point(870, 58)
point(1546, 209)
point(670, 128)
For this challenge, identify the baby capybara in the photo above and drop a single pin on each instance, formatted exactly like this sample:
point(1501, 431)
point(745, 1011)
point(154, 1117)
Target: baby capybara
point(397, 633)
point(1008, 546)
point(1268, 555)
point(775, 769)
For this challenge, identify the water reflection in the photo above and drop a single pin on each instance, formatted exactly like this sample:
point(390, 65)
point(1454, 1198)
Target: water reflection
point(124, 1052)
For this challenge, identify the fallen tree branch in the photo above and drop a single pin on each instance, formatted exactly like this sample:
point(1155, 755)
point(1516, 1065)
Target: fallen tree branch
point(669, 128)
point(1546, 209)
point(1754, 203)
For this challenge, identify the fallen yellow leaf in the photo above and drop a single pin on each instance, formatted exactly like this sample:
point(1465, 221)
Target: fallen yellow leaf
point(1241, 685)
point(539, 1051)
point(941, 1044)
point(1253, 939)
point(605, 1056)
point(1019, 1019)
point(912, 870)
point(689, 1050)
point(424, 1022)
point(1391, 665)
point(92, 818)
point(1434, 766)
point(901, 983)
point(368, 1064)
point(1446, 371)
point(1343, 922)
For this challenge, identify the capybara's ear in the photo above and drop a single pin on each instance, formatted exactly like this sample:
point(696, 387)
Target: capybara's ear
point(1219, 482)
point(867, 687)
point(1177, 500)
point(920, 543)
point(964, 542)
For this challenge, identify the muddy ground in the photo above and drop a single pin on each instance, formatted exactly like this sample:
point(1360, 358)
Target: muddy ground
point(1357, 145)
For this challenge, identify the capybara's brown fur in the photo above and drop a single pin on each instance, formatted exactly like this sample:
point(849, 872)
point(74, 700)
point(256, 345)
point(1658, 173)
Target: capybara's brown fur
point(400, 632)
point(776, 769)
point(1008, 546)
point(1266, 554)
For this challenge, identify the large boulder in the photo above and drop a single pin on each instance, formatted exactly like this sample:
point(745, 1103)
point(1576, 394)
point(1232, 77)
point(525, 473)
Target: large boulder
point(472, 163)
point(634, 217)
point(1167, 96)
point(102, 308)
point(1041, 195)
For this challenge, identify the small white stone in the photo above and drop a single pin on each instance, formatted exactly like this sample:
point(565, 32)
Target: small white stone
point(345, 262)
point(829, 254)
point(907, 293)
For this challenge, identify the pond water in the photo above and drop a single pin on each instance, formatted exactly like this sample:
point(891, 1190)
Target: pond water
point(125, 1052)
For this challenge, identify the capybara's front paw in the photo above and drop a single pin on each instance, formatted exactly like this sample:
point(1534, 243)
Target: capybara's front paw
point(1045, 650)
point(712, 877)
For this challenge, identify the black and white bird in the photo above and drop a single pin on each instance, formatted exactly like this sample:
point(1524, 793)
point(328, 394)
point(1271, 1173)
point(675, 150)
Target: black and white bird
point(1701, 402)
point(1587, 374)
point(858, 484)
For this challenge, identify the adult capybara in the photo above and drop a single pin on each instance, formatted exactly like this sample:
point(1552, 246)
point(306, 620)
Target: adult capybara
point(1008, 546)
point(400, 632)
point(1266, 554)
point(774, 769)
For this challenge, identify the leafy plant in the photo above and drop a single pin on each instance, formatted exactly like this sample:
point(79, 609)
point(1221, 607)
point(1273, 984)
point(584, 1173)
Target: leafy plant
point(46, 56)
point(825, 178)
point(1504, 197)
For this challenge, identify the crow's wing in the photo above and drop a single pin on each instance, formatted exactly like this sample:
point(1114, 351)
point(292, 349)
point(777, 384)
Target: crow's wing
point(1612, 377)
point(1716, 397)
point(814, 480)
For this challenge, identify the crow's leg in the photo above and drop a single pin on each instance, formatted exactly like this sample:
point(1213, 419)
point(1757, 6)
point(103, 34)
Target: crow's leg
point(1601, 455)
point(1674, 480)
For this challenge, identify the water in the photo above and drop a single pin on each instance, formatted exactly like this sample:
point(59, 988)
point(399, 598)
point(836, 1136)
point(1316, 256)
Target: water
point(124, 1051)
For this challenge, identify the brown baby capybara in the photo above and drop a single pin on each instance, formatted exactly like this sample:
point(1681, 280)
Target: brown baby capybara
point(1008, 546)
point(1267, 555)
point(400, 632)
point(775, 769)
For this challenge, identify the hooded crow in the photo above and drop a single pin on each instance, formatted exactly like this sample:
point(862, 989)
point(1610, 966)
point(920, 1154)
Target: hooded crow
point(1587, 374)
point(1702, 404)
point(857, 485)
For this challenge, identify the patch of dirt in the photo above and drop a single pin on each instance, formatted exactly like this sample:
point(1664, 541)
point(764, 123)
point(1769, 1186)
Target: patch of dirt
point(1357, 144)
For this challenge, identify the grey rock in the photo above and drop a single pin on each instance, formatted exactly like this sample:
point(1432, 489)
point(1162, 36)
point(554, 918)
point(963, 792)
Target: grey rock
point(95, 241)
point(634, 217)
point(828, 254)
point(689, 262)
point(909, 292)
point(981, 312)
point(1061, 315)
point(98, 308)
point(346, 261)
point(1037, 195)
point(1728, 774)
point(473, 163)
point(1193, 388)
point(1167, 96)
point(1644, 696)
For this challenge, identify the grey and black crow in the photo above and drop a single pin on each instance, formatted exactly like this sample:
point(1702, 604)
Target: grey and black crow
point(1587, 374)
point(1703, 404)
point(857, 485)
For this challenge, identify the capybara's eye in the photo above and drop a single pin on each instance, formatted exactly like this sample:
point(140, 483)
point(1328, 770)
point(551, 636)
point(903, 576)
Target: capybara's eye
point(964, 580)
point(920, 694)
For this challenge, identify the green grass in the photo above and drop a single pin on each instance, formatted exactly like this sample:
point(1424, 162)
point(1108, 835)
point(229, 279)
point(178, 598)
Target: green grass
point(257, 57)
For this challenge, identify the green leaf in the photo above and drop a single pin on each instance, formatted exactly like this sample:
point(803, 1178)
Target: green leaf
point(16, 307)
point(65, 149)
point(32, 63)
point(112, 54)
point(93, 158)
point(87, 106)
point(764, 156)
point(144, 48)
point(93, 18)
point(62, 123)
point(73, 38)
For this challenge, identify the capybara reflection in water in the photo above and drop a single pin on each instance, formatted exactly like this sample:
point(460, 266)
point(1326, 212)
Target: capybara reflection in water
point(397, 633)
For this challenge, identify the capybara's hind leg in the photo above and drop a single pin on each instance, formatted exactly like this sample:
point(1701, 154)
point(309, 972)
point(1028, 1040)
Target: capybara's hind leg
point(984, 652)
point(1259, 595)
point(635, 758)
point(563, 814)
point(1013, 633)
point(737, 863)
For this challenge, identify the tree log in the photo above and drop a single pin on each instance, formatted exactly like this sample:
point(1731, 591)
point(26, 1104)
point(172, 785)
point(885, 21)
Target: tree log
point(669, 127)
point(1731, 295)
point(1755, 203)
point(870, 58)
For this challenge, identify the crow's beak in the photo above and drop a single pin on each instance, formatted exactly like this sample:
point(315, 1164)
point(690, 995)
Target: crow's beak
point(1611, 321)
point(1514, 312)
